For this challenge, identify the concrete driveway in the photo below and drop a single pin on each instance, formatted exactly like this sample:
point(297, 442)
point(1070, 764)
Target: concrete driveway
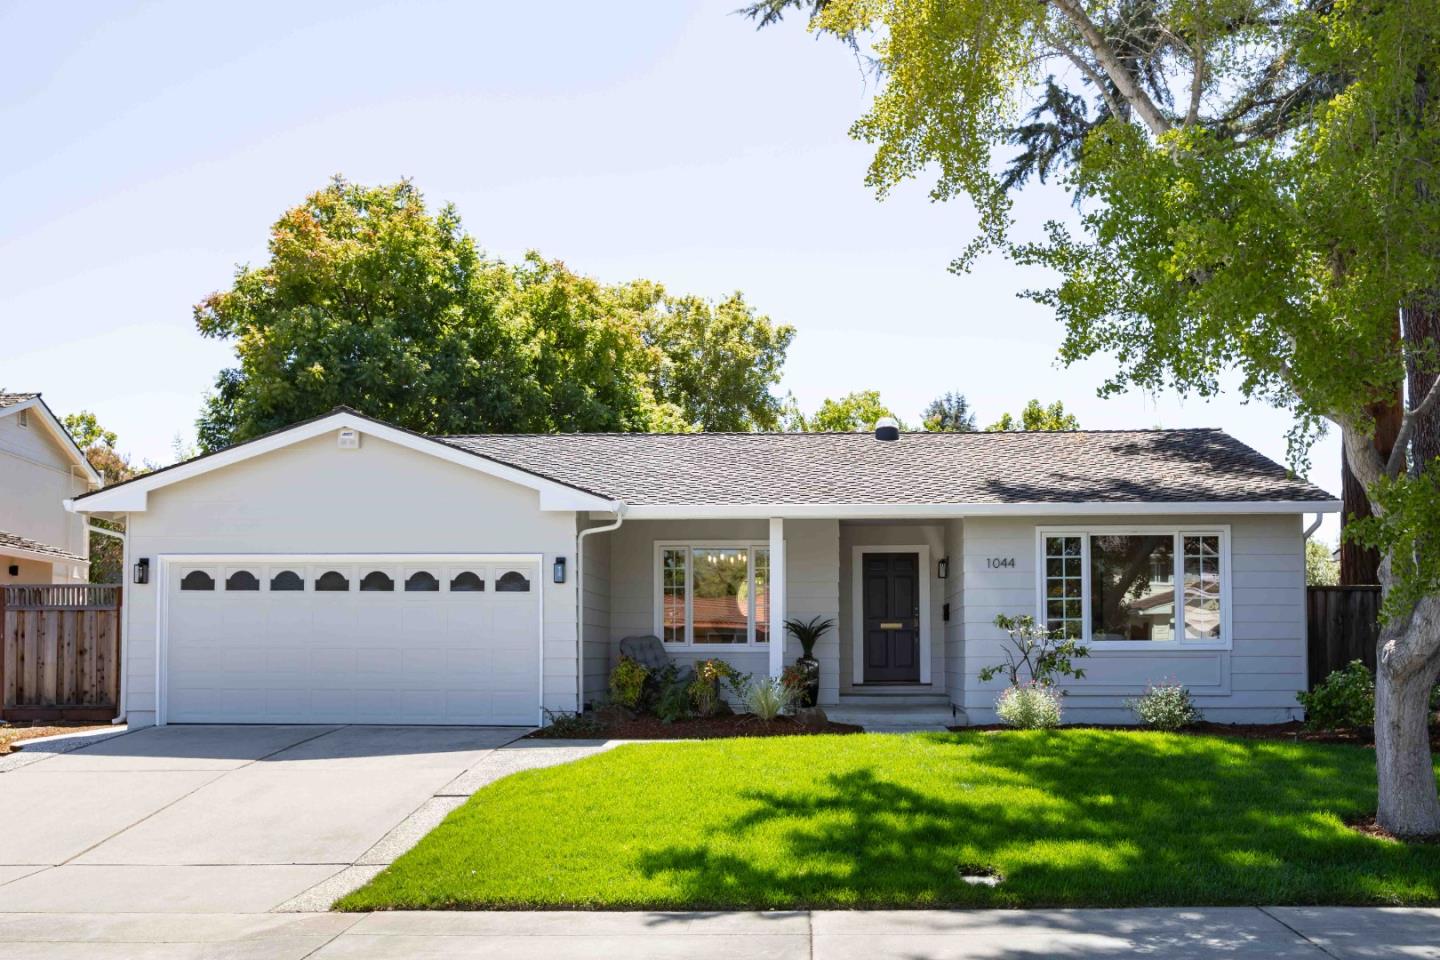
point(201, 819)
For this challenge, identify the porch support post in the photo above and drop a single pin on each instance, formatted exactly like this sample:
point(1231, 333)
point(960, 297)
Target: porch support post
point(777, 596)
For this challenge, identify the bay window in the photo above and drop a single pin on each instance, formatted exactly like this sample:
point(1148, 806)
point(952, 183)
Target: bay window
point(712, 593)
point(1119, 588)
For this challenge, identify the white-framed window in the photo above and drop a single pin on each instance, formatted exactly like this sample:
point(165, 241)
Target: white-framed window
point(712, 593)
point(1136, 587)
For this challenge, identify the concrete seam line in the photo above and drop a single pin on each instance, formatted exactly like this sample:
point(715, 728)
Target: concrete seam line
point(337, 936)
point(1317, 946)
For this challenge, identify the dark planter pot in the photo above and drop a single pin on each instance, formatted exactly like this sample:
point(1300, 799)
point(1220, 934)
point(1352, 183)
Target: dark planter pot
point(809, 667)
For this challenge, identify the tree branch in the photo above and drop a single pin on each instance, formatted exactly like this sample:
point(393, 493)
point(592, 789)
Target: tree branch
point(1090, 73)
point(1407, 427)
point(1114, 69)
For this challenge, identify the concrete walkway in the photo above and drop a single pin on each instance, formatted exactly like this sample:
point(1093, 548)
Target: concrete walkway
point(1277, 933)
point(219, 819)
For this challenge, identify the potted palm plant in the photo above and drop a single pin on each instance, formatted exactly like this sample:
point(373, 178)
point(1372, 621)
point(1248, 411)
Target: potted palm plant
point(808, 632)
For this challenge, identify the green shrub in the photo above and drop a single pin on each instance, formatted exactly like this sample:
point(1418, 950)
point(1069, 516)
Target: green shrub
point(704, 690)
point(627, 683)
point(1031, 707)
point(768, 698)
point(566, 724)
point(1344, 699)
point(1165, 706)
point(672, 693)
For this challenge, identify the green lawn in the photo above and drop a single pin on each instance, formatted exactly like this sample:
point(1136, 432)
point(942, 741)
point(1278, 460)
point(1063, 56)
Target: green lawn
point(1075, 817)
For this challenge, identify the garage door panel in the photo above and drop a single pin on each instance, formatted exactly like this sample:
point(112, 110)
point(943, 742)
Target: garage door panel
point(426, 655)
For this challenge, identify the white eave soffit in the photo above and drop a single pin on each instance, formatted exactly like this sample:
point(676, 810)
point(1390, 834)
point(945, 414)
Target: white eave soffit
point(133, 497)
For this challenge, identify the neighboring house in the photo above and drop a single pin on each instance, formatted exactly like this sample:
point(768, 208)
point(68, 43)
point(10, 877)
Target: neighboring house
point(40, 468)
point(344, 570)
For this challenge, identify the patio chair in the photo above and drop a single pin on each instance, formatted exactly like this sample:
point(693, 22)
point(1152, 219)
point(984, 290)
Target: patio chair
point(646, 650)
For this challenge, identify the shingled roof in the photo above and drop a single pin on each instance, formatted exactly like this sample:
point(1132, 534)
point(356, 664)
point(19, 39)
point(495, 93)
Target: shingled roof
point(1120, 466)
point(10, 399)
point(13, 541)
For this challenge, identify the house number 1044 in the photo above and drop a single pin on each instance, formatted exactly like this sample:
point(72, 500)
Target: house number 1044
point(995, 563)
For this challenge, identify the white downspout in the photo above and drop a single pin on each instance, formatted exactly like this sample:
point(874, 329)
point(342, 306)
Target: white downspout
point(618, 508)
point(1319, 518)
point(121, 711)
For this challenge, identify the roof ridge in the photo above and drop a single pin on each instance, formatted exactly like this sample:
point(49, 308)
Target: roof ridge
point(828, 433)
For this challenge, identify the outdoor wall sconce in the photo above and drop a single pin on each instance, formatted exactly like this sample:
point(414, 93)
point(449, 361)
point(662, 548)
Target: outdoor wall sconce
point(942, 568)
point(14, 569)
point(559, 569)
point(142, 570)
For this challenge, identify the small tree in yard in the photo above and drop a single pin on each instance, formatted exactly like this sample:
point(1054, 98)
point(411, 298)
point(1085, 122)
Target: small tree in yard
point(1258, 184)
point(1032, 650)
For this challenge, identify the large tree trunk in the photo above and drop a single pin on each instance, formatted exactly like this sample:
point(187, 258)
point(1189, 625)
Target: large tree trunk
point(1361, 565)
point(1409, 663)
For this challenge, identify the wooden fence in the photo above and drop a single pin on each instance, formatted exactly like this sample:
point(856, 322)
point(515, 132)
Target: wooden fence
point(1343, 625)
point(61, 651)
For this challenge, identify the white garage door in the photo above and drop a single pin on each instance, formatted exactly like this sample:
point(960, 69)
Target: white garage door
point(289, 639)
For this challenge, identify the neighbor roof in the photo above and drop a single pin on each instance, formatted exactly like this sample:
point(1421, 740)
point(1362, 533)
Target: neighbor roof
point(10, 399)
point(15, 542)
point(1147, 466)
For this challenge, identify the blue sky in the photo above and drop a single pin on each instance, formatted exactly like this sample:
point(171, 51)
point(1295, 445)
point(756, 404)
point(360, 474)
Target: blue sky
point(150, 146)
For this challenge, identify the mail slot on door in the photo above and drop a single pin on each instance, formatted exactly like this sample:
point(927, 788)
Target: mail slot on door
point(892, 625)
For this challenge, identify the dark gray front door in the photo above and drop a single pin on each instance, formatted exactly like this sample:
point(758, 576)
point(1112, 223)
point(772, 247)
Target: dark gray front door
point(892, 617)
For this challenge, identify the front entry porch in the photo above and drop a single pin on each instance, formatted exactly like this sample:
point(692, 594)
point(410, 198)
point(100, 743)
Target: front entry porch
point(711, 588)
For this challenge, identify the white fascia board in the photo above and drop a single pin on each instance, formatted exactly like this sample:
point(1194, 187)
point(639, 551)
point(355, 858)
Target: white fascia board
point(874, 511)
point(21, 553)
point(59, 433)
point(132, 497)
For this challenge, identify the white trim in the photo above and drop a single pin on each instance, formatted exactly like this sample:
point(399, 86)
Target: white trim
point(20, 553)
point(133, 496)
point(881, 511)
point(58, 433)
point(777, 606)
point(1177, 532)
point(165, 561)
point(857, 605)
point(658, 592)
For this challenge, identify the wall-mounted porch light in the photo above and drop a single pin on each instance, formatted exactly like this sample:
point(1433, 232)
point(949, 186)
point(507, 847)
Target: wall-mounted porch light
point(559, 569)
point(142, 570)
point(942, 568)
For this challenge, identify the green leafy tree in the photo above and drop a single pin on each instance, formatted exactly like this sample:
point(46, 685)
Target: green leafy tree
point(1321, 570)
point(949, 413)
point(1259, 192)
point(855, 412)
point(717, 362)
point(107, 554)
point(1035, 417)
point(370, 300)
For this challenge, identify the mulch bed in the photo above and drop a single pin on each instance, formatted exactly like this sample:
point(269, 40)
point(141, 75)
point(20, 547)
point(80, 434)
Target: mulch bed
point(706, 728)
point(1293, 731)
point(11, 734)
point(1371, 828)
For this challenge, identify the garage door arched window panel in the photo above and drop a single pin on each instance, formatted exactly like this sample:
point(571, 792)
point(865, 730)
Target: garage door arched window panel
point(332, 581)
point(512, 581)
point(242, 580)
point(467, 581)
point(197, 580)
point(377, 581)
point(286, 581)
point(422, 581)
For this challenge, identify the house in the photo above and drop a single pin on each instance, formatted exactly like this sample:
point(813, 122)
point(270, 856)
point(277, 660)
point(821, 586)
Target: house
point(345, 570)
point(40, 468)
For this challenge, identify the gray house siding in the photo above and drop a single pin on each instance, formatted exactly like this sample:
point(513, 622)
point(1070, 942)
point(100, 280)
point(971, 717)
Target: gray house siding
point(1255, 681)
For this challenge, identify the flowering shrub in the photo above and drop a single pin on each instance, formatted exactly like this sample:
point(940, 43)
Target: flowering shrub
point(704, 689)
point(1031, 707)
point(793, 678)
point(627, 683)
point(1165, 706)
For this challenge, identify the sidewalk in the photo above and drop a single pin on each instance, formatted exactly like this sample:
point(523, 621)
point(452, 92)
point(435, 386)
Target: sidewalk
point(1275, 933)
